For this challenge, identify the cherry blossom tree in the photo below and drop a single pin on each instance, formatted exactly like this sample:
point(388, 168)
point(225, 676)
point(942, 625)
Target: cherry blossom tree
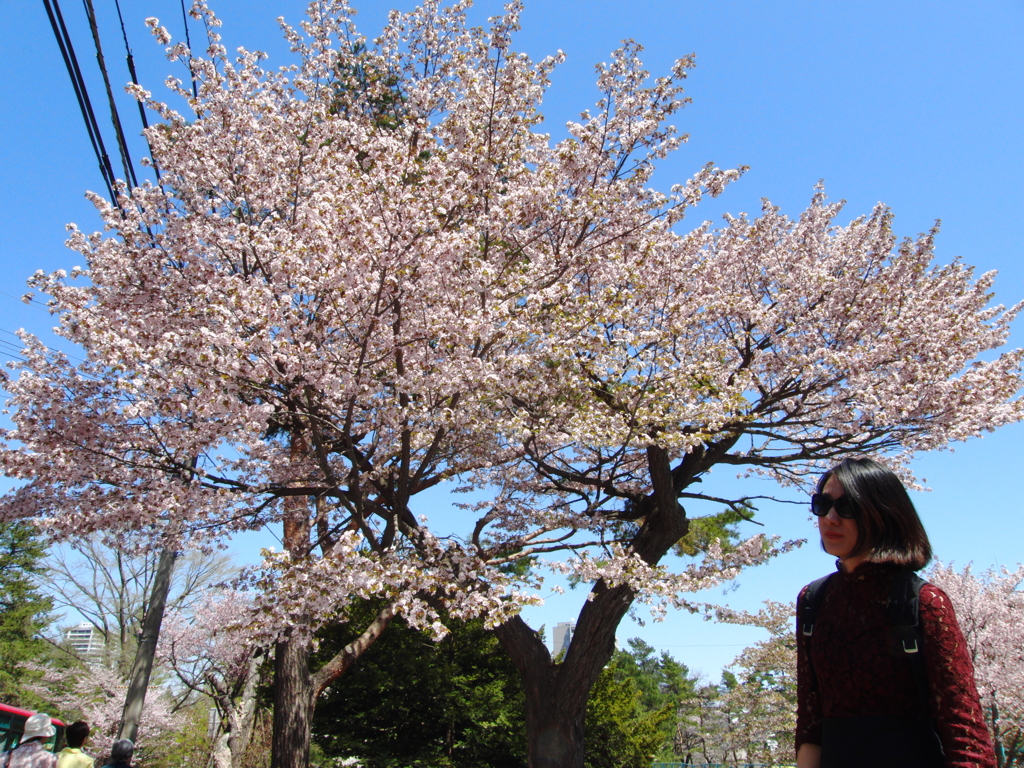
point(771, 346)
point(300, 325)
point(208, 653)
point(370, 273)
point(95, 693)
point(763, 699)
point(990, 609)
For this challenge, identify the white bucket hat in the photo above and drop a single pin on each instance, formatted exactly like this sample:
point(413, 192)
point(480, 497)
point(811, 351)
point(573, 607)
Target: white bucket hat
point(38, 726)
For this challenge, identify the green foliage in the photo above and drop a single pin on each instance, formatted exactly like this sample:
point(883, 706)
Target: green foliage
point(188, 746)
point(729, 680)
point(705, 530)
point(520, 568)
point(661, 680)
point(666, 690)
point(620, 731)
point(364, 85)
point(24, 611)
point(409, 701)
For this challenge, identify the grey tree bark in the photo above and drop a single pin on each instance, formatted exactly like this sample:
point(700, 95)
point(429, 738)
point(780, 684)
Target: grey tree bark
point(143, 666)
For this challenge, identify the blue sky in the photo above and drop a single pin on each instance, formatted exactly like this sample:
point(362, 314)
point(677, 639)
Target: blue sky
point(916, 104)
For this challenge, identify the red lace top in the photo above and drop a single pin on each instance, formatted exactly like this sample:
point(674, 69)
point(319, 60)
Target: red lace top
point(857, 676)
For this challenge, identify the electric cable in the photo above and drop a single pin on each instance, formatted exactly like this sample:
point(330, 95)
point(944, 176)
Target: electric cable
point(84, 104)
point(135, 80)
point(115, 118)
point(21, 349)
point(32, 300)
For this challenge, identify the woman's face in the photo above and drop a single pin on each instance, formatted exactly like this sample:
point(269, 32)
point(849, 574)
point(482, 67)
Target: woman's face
point(838, 534)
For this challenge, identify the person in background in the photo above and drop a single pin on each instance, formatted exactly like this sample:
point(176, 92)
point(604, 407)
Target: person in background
point(32, 752)
point(72, 755)
point(121, 754)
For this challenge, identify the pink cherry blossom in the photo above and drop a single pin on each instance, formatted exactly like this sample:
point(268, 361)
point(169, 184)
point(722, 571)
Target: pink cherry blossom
point(990, 609)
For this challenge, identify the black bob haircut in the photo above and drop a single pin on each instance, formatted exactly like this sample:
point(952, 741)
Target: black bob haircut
point(77, 733)
point(888, 527)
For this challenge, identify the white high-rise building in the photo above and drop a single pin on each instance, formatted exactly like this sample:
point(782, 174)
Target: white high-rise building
point(86, 640)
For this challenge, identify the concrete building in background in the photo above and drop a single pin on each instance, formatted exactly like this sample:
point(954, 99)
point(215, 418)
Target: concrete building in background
point(86, 640)
point(562, 636)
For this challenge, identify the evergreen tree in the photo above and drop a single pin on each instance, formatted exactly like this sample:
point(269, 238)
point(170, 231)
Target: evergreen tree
point(409, 701)
point(661, 679)
point(621, 731)
point(666, 690)
point(24, 611)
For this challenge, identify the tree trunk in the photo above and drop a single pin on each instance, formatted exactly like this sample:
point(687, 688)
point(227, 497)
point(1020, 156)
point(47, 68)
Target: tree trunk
point(242, 714)
point(996, 742)
point(293, 703)
point(221, 752)
point(550, 732)
point(293, 690)
point(555, 725)
point(556, 694)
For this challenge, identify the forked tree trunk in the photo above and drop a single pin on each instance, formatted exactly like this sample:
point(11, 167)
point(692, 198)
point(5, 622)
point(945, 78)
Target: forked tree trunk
point(296, 687)
point(556, 694)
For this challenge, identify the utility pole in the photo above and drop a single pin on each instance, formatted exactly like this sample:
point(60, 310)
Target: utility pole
point(143, 666)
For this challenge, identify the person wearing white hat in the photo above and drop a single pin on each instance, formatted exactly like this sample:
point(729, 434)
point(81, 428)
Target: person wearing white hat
point(31, 752)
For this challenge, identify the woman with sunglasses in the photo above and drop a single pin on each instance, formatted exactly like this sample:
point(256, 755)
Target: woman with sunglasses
point(858, 700)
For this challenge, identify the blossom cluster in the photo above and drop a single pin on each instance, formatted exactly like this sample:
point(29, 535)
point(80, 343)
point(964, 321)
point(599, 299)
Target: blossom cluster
point(990, 608)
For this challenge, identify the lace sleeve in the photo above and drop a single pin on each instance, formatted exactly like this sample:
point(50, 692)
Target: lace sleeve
point(957, 709)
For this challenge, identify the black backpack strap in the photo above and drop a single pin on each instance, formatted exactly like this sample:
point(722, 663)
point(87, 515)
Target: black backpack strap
point(903, 616)
point(810, 602)
point(903, 610)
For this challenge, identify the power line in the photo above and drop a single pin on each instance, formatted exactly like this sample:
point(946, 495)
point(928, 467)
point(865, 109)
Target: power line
point(60, 31)
point(21, 299)
point(49, 348)
point(122, 144)
point(135, 80)
point(188, 42)
point(708, 645)
point(6, 346)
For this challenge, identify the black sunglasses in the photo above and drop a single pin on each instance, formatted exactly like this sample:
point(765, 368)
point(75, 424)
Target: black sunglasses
point(821, 503)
